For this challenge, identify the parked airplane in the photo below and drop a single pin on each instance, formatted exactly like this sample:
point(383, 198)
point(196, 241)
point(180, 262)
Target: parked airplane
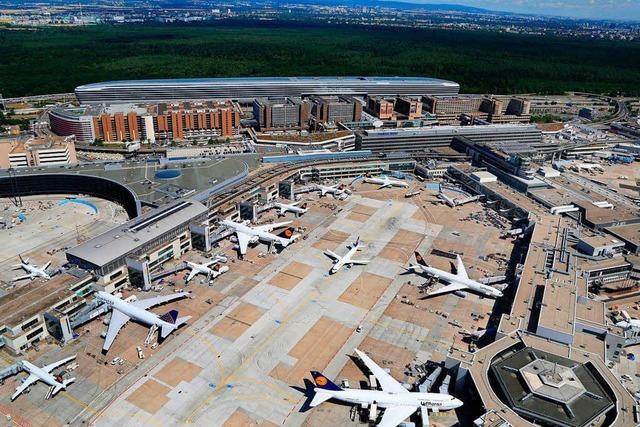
point(335, 190)
point(399, 403)
point(123, 311)
point(628, 321)
point(341, 261)
point(447, 200)
point(385, 181)
point(457, 282)
point(211, 272)
point(32, 270)
point(293, 207)
point(43, 374)
point(476, 335)
point(252, 234)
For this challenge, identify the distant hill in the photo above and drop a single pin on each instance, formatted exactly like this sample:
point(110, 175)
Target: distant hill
point(393, 4)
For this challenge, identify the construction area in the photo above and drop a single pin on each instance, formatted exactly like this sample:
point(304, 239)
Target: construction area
point(42, 228)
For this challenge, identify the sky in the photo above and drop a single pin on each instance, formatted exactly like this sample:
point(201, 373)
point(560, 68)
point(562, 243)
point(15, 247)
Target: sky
point(593, 9)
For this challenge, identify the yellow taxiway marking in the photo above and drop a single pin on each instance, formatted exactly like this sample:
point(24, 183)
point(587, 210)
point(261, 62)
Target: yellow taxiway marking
point(250, 357)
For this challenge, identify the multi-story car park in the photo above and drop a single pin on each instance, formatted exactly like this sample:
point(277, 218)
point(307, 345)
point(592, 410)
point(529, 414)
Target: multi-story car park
point(246, 89)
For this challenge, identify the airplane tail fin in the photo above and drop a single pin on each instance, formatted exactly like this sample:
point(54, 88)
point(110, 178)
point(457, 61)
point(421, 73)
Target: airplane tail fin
point(287, 232)
point(170, 317)
point(167, 329)
point(324, 382)
point(287, 237)
point(304, 205)
point(625, 315)
point(357, 243)
point(24, 261)
point(419, 259)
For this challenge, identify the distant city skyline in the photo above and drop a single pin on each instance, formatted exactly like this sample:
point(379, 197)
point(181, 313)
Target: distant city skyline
point(590, 9)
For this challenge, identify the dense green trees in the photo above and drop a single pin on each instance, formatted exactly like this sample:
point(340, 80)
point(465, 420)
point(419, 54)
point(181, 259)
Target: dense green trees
point(58, 59)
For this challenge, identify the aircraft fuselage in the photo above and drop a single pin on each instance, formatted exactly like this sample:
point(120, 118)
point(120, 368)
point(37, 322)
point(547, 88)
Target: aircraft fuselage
point(385, 399)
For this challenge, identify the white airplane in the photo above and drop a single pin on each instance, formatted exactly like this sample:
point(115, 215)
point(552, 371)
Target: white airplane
point(385, 181)
point(341, 261)
point(293, 207)
point(32, 270)
point(247, 234)
point(628, 322)
point(211, 272)
point(457, 282)
point(335, 190)
point(447, 200)
point(476, 335)
point(123, 311)
point(399, 403)
point(43, 374)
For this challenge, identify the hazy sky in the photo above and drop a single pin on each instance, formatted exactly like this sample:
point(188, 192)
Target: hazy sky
point(599, 9)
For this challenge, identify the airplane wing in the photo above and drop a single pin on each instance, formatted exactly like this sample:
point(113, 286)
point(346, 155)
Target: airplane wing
point(359, 261)
point(384, 185)
point(150, 302)
point(397, 414)
point(118, 320)
point(22, 387)
point(446, 289)
point(243, 242)
point(192, 274)
point(50, 367)
point(332, 254)
point(216, 260)
point(387, 382)
point(270, 227)
point(26, 276)
point(460, 270)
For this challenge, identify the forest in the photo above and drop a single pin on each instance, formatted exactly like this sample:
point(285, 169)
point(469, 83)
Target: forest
point(51, 60)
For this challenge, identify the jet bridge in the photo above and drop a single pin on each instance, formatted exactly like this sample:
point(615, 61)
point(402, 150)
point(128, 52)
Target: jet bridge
point(92, 310)
point(428, 384)
point(168, 272)
point(11, 370)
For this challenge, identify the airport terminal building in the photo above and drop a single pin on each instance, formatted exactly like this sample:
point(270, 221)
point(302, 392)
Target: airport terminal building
point(246, 89)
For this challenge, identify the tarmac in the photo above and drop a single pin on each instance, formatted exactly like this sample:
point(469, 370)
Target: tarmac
point(258, 329)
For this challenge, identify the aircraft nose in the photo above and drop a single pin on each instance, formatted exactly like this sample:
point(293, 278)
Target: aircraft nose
point(457, 403)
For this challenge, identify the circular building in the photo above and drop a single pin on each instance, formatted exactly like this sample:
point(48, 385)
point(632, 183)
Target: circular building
point(548, 389)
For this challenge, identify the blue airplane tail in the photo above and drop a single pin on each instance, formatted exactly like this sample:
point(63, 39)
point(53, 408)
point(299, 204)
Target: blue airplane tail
point(323, 382)
point(419, 259)
point(170, 317)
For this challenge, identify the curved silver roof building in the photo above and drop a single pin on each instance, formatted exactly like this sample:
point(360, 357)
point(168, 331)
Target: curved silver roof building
point(249, 88)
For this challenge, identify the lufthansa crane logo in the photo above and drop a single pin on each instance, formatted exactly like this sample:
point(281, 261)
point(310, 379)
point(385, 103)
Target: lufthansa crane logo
point(288, 232)
point(418, 258)
point(321, 381)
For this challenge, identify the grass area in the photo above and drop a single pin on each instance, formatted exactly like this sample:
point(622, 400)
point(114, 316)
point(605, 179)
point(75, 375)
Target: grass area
point(52, 60)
